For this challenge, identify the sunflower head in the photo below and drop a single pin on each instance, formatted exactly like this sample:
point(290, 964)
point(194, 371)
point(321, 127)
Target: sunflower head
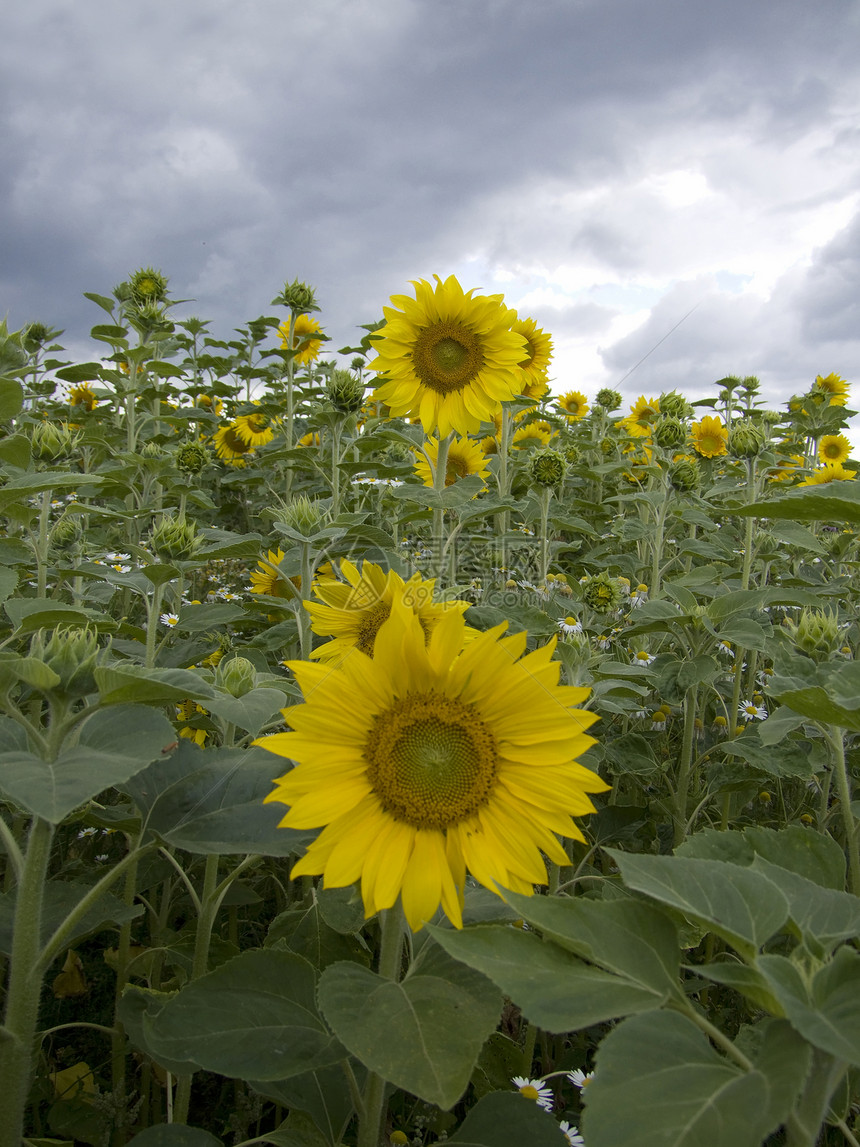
point(268, 579)
point(230, 446)
point(532, 434)
point(83, 396)
point(834, 448)
point(574, 405)
point(710, 437)
point(305, 345)
point(645, 410)
point(834, 387)
point(829, 472)
point(465, 457)
point(254, 429)
point(433, 758)
point(447, 357)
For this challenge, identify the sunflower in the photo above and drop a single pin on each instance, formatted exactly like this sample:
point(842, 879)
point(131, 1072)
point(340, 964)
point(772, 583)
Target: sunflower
point(82, 395)
point(833, 385)
point(531, 432)
point(254, 429)
point(710, 437)
point(786, 468)
point(307, 347)
point(490, 445)
point(448, 358)
point(309, 440)
point(431, 759)
point(230, 446)
point(574, 404)
point(834, 448)
point(645, 409)
point(464, 457)
point(538, 354)
point(829, 472)
point(267, 577)
point(352, 611)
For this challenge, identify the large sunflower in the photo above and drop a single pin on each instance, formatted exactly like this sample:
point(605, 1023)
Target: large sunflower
point(431, 759)
point(351, 612)
point(230, 446)
point(448, 358)
point(254, 428)
point(465, 457)
point(829, 472)
point(710, 437)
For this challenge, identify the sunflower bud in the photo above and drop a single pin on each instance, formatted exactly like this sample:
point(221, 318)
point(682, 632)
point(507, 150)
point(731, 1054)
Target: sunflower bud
point(147, 286)
point(669, 432)
point(175, 539)
point(685, 475)
point(191, 458)
point(71, 653)
point(303, 515)
point(345, 391)
point(51, 441)
point(34, 336)
point(237, 676)
point(815, 633)
point(546, 468)
point(150, 450)
point(608, 399)
point(746, 440)
point(299, 297)
point(602, 593)
point(674, 405)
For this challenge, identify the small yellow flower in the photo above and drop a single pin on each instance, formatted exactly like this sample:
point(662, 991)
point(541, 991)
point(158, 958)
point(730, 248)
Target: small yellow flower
point(574, 404)
point(267, 578)
point(308, 348)
point(532, 432)
point(464, 457)
point(645, 409)
point(829, 472)
point(834, 448)
point(309, 440)
point(82, 395)
point(835, 386)
point(710, 437)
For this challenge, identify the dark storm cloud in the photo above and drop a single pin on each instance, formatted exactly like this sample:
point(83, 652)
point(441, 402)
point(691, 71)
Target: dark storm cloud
point(362, 143)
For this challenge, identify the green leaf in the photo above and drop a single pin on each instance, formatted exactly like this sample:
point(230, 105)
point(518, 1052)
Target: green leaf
point(126, 681)
point(303, 931)
point(174, 1135)
point(32, 613)
point(198, 618)
point(742, 978)
point(423, 1034)
point(659, 1083)
point(744, 633)
point(322, 1094)
point(250, 712)
point(252, 1018)
point(811, 854)
point(211, 800)
point(827, 502)
point(632, 940)
point(741, 906)
point(779, 724)
point(507, 1119)
point(136, 1002)
point(109, 333)
point(11, 398)
point(553, 988)
point(60, 898)
point(828, 1015)
point(113, 745)
point(826, 914)
point(792, 761)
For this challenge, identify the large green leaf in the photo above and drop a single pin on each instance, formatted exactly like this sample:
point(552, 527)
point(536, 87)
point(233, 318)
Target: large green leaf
point(811, 854)
point(174, 1135)
point(826, 502)
point(11, 398)
point(59, 899)
point(130, 682)
point(323, 1094)
point(741, 906)
point(659, 1083)
point(828, 1012)
point(634, 941)
point(423, 1034)
point(826, 914)
point(252, 1018)
point(507, 1119)
point(250, 712)
point(553, 988)
point(211, 800)
point(113, 745)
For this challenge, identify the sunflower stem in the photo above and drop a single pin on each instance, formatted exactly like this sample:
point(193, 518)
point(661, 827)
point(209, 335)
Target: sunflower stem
point(390, 949)
point(290, 412)
point(843, 788)
point(440, 473)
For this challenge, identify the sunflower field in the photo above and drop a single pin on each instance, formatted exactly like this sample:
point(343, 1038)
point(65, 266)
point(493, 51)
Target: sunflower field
point(394, 750)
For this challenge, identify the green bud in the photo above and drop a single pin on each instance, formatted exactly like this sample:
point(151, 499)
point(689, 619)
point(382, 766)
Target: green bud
point(35, 335)
point(191, 458)
point(746, 439)
point(175, 539)
point(72, 654)
point(345, 391)
point(65, 533)
point(815, 632)
point(602, 593)
point(147, 286)
point(729, 383)
point(685, 475)
point(669, 432)
point(396, 453)
point(358, 363)
point(546, 468)
point(572, 455)
point(237, 676)
point(51, 441)
point(674, 405)
point(303, 515)
point(751, 384)
point(151, 450)
point(299, 297)
point(608, 399)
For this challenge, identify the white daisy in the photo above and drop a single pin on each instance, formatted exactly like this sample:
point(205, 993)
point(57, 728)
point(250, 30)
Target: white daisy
point(749, 711)
point(169, 619)
point(580, 1078)
point(570, 627)
point(572, 1133)
point(535, 1089)
point(642, 658)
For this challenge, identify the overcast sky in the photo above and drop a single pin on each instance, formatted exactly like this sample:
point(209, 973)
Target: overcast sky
point(607, 164)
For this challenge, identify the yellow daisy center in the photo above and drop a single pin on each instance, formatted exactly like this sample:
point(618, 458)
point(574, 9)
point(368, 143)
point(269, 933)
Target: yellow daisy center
point(530, 1092)
point(447, 356)
point(431, 760)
